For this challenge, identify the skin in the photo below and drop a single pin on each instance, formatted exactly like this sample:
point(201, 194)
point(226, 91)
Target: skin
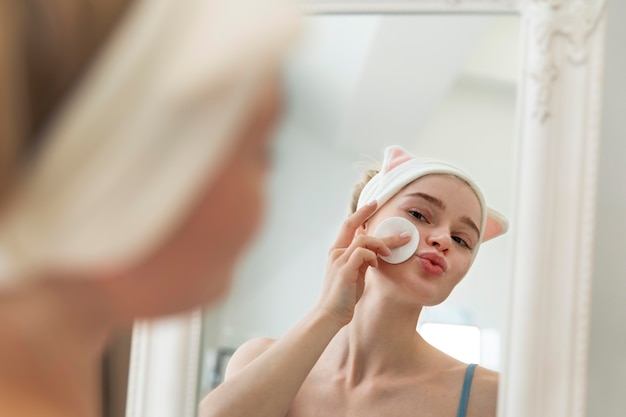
point(56, 327)
point(357, 352)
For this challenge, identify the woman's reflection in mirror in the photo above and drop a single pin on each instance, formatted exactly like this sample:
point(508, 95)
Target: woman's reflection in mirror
point(357, 352)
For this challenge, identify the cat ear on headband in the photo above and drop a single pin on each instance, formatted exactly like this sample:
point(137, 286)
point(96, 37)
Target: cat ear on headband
point(394, 156)
point(496, 225)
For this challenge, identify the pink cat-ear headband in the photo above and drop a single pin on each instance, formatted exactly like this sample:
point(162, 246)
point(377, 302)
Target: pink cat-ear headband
point(400, 168)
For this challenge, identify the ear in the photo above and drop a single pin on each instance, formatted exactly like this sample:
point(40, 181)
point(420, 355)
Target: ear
point(394, 156)
point(497, 225)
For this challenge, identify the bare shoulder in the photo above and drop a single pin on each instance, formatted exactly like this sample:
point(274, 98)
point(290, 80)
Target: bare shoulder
point(483, 394)
point(246, 353)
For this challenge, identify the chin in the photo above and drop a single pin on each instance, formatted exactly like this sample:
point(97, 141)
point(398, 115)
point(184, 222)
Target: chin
point(202, 292)
point(426, 291)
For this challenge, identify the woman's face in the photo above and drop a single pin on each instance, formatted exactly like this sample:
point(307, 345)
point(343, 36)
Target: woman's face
point(447, 214)
point(195, 265)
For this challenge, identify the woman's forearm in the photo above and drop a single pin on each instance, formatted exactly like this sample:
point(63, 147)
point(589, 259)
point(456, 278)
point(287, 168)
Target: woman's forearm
point(267, 386)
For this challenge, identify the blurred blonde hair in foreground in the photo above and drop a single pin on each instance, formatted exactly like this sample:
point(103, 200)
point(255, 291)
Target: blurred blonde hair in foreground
point(153, 117)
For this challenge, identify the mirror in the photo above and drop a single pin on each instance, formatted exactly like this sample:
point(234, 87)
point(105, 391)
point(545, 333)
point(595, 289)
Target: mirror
point(559, 93)
point(440, 86)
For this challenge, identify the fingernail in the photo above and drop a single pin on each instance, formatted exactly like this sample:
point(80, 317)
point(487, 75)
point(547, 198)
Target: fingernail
point(405, 234)
point(372, 203)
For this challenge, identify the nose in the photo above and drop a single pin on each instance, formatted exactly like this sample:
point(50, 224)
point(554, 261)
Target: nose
point(439, 239)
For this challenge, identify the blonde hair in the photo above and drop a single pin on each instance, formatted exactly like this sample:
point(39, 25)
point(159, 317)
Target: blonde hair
point(358, 187)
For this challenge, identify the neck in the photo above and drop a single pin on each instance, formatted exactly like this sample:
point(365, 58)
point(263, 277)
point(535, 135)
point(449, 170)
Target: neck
point(53, 336)
point(381, 338)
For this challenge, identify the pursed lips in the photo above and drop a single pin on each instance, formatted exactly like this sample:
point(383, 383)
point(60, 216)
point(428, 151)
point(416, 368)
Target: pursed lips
point(432, 263)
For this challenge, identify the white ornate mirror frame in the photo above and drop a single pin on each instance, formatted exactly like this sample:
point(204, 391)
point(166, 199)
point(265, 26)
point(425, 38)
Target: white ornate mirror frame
point(558, 128)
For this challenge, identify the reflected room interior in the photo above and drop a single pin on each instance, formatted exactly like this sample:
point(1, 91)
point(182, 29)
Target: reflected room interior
point(440, 86)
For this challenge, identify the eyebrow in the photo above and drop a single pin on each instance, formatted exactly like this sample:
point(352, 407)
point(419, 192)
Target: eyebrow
point(433, 200)
point(471, 224)
point(440, 205)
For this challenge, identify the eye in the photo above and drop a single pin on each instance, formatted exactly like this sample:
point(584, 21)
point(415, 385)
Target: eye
point(418, 215)
point(461, 242)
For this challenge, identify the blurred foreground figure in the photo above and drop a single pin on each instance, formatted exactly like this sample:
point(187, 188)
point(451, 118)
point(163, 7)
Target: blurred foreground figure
point(134, 145)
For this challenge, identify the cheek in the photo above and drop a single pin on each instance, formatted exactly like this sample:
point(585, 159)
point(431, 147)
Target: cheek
point(237, 206)
point(462, 263)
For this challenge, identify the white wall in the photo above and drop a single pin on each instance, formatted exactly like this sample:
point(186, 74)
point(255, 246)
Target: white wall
point(607, 373)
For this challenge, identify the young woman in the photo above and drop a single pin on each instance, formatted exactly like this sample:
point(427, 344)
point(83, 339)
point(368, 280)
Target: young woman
point(134, 136)
point(357, 352)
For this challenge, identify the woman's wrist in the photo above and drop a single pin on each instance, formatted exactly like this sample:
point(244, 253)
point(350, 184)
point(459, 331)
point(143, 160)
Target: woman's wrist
point(324, 316)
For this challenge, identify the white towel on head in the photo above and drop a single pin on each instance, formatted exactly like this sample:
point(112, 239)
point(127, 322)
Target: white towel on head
point(150, 124)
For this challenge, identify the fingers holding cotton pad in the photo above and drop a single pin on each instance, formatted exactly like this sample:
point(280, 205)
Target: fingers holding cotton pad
point(394, 226)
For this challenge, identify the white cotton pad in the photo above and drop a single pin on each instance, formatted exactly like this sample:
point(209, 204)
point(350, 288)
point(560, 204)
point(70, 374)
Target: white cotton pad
point(395, 226)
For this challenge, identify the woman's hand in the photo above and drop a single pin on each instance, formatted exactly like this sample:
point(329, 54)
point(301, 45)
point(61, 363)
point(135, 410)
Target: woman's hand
point(348, 260)
point(266, 369)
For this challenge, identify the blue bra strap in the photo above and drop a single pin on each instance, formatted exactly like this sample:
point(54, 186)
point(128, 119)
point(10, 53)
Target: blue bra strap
point(467, 383)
